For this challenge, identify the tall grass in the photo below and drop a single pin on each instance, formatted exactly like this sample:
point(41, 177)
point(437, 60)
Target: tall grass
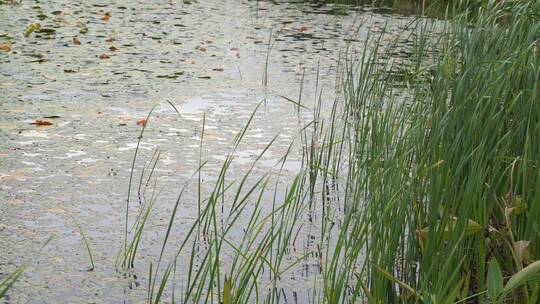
point(425, 175)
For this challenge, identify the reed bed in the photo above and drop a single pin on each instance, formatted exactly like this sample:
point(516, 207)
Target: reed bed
point(437, 171)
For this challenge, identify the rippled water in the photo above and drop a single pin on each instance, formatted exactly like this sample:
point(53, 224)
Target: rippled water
point(94, 77)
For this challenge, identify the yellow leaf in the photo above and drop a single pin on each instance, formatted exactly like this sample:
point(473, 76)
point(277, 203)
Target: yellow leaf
point(31, 28)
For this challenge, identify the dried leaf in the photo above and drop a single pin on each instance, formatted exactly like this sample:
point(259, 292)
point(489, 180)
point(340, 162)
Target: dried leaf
point(202, 49)
point(106, 17)
point(42, 123)
point(522, 251)
point(303, 29)
point(141, 122)
point(6, 47)
point(113, 48)
point(104, 56)
point(76, 40)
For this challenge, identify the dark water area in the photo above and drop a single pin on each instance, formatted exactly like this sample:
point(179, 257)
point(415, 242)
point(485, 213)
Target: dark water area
point(95, 69)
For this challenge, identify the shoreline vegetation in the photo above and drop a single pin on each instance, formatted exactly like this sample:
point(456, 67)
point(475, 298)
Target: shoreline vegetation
point(428, 180)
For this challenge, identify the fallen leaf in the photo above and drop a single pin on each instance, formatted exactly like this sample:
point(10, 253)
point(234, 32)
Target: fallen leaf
point(42, 123)
point(218, 69)
point(104, 56)
point(204, 77)
point(31, 28)
point(6, 47)
point(113, 48)
point(141, 122)
point(106, 17)
point(202, 49)
point(303, 29)
point(192, 61)
point(76, 40)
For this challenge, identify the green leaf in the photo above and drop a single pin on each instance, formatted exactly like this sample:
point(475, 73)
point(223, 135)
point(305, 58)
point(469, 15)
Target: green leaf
point(522, 277)
point(227, 292)
point(450, 297)
point(494, 280)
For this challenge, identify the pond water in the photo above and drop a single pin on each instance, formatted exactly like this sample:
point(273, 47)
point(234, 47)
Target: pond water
point(95, 69)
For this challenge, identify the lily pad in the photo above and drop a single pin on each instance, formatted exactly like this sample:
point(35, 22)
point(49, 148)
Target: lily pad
point(171, 76)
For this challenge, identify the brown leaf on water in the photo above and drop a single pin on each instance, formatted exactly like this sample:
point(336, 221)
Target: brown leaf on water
point(76, 40)
point(303, 29)
point(106, 17)
point(104, 56)
point(202, 49)
point(6, 47)
point(218, 69)
point(141, 122)
point(42, 123)
point(113, 48)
